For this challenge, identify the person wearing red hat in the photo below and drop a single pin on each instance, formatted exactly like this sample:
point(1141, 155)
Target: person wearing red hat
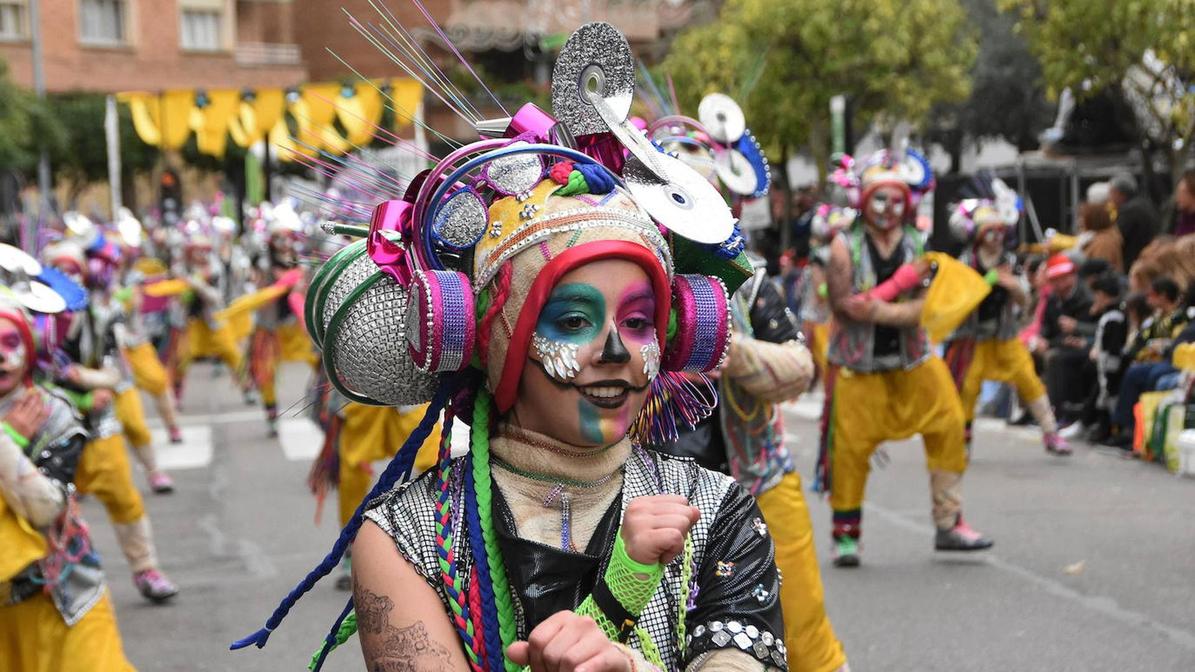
point(1065, 340)
point(986, 346)
point(889, 385)
point(46, 622)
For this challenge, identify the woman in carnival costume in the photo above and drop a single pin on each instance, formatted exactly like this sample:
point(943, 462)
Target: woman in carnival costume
point(766, 364)
point(84, 365)
point(889, 385)
point(986, 346)
point(55, 611)
point(277, 334)
point(550, 310)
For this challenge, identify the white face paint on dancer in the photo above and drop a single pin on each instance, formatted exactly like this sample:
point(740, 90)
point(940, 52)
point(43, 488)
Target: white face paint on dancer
point(13, 357)
point(885, 207)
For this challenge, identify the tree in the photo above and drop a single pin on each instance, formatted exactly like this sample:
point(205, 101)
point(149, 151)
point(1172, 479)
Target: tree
point(784, 59)
point(84, 157)
point(1007, 77)
point(26, 125)
point(1146, 48)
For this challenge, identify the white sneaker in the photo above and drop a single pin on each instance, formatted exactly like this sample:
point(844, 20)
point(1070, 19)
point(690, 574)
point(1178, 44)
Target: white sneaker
point(1071, 431)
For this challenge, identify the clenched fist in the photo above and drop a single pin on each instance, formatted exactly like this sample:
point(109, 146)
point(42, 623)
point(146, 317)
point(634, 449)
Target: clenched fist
point(654, 528)
point(566, 642)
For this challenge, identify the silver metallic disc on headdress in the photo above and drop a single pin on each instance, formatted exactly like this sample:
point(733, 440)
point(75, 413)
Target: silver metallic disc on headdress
point(596, 59)
point(38, 298)
point(516, 173)
point(462, 220)
point(684, 203)
point(81, 227)
point(736, 172)
point(366, 348)
point(338, 287)
point(722, 117)
point(14, 260)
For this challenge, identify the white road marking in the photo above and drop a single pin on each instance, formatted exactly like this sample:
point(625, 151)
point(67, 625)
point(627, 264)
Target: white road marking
point(194, 452)
point(301, 439)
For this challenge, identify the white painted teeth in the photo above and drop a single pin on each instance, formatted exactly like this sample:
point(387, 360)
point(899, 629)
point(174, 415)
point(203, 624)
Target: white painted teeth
point(603, 392)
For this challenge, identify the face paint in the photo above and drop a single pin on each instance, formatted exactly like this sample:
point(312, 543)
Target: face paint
point(651, 359)
point(594, 349)
point(885, 207)
point(559, 359)
point(13, 356)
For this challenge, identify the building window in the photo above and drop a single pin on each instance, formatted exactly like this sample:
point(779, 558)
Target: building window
point(103, 21)
point(13, 20)
point(201, 26)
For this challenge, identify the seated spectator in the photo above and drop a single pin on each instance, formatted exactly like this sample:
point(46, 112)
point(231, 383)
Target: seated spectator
point(1111, 333)
point(1067, 329)
point(1136, 217)
point(1103, 239)
point(1148, 356)
point(1184, 205)
point(1092, 269)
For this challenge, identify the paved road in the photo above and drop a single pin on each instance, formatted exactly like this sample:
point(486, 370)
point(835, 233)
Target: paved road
point(1094, 567)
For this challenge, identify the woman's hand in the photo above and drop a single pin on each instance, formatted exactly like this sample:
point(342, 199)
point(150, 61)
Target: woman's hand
point(566, 642)
point(28, 414)
point(654, 527)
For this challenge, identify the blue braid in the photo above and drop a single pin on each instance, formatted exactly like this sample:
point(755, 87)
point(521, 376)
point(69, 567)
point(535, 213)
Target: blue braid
point(489, 610)
point(398, 469)
point(330, 640)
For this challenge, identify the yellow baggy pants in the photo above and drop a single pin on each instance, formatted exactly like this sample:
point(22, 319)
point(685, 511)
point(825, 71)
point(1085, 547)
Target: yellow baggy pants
point(870, 408)
point(104, 472)
point(203, 341)
point(34, 638)
point(1005, 361)
point(811, 642)
point(148, 372)
point(372, 433)
point(131, 415)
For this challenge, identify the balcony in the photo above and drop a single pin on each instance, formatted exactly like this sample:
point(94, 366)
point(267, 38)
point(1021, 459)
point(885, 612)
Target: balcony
point(266, 53)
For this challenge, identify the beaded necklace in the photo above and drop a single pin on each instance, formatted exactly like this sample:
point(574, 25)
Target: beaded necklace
point(558, 493)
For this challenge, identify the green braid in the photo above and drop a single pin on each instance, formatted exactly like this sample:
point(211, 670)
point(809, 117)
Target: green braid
point(483, 483)
point(347, 629)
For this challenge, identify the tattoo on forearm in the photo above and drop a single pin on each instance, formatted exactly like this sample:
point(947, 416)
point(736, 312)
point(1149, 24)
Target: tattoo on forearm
point(393, 649)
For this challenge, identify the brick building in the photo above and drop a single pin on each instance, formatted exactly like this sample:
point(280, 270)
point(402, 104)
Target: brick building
point(117, 45)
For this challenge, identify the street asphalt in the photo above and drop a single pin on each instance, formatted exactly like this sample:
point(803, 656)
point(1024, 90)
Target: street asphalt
point(1093, 568)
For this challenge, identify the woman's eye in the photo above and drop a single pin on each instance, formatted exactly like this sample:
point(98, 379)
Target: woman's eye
point(635, 323)
point(573, 322)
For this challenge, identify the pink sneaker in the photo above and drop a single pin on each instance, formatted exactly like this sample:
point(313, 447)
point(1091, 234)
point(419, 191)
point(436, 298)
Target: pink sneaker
point(961, 538)
point(1055, 444)
point(161, 483)
point(154, 586)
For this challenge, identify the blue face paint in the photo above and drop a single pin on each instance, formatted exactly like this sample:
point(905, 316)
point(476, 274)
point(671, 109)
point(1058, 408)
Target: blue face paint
point(591, 423)
point(574, 313)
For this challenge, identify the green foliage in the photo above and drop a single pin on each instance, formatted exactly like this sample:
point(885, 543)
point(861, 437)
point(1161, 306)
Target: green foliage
point(84, 157)
point(25, 122)
point(1094, 45)
point(784, 59)
point(1006, 77)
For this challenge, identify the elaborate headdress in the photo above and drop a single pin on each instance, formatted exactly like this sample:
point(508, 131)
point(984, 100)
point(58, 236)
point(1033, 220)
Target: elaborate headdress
point(906, 170)
point(440, 300)
point(30, 293)
point(994, 204)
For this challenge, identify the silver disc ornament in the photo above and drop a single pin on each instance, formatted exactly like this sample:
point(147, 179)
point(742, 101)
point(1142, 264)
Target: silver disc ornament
point(15, 260)
point(722, 118)
point(514, 174)
point(684, 202)
point(461, 220)
point(736, 172)
point(39, 298)
point(595, 61)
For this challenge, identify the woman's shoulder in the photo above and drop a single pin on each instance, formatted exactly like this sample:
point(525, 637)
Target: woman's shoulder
point(678, 475)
